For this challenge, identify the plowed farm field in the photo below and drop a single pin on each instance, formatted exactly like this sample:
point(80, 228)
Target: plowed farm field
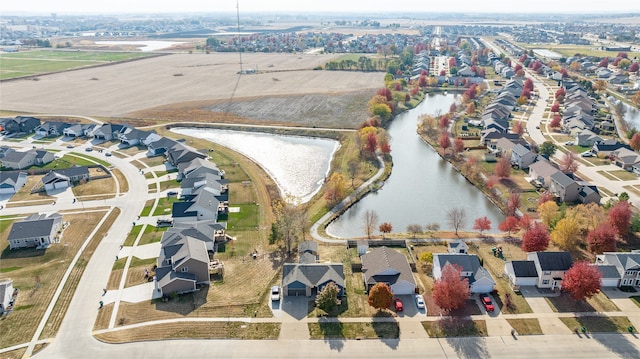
point(178, 79)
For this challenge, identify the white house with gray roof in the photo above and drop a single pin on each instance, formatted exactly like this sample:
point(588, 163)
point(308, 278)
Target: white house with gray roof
point(626, 264)
point(480, 280)
point(12, 181)
point(384, 265)
point(6, 294)
point(551, 267)
point(37, 230)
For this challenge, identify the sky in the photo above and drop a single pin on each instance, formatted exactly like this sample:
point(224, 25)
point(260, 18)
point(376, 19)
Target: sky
point(406, 6)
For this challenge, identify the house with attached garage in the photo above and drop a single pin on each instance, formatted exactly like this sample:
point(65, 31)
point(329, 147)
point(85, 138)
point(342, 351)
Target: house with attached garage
point(4, 150)
point(521, 273)
point(308, 277)
point(189, 185)
point(22, 160)
point(160, 146)
point(211, 233)
point(65, 178)
point(522, 157)
point(37, 230)
point(51, 129)
point(181, 154)
point(627, 267)
point(567, 189)
point(108, 131)
point(384, 265)
point(21, 124)
point(12, 181)
point(133, 137)
point(587, 138)
point(540, 172)
point(183, 264)
point(480, 280)
point(198, 167)
point(551, 267)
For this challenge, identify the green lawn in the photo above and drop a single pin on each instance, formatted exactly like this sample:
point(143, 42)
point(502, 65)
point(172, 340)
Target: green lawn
point(27, 63)
point(152, 234)
point(132, 235)
point(526, 326)
point(246, 219)
point(164, 205)
point(147, 208)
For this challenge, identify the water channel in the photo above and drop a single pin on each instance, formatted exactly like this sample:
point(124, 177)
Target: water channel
point(422, 186)
point(632, 116)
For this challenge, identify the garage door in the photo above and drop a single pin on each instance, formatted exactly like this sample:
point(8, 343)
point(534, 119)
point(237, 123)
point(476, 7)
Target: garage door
point(297, 292)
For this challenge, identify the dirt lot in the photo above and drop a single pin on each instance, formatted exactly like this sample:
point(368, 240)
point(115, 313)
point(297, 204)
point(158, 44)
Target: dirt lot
point(128, 87)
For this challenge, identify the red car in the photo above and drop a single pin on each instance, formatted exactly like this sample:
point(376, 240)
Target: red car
point(397, 303)
point(486, 301)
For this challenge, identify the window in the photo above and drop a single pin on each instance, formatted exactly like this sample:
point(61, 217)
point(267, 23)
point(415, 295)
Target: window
point(184, 269)
point(547, 273)
point(545, 282)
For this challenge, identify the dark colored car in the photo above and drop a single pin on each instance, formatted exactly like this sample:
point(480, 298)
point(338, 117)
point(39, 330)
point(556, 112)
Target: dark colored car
point(486, 302)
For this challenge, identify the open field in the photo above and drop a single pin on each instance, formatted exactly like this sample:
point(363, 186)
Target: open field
point(37, 274)
point(39, 62)
point(149, 83)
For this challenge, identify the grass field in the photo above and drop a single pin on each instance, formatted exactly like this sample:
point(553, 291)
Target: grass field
point(598, 303)
point(39, 62)
point(598, 324)
point(456, 327)
point(371, 330)
point(526, 326)
point(213, 330)
point(38, 275)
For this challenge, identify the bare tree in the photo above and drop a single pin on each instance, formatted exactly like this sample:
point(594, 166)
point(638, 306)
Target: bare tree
point(370, 220)
point(289, 226)
point(413, 229)
point(432, 227)
point(353, 166)
point(456, 218)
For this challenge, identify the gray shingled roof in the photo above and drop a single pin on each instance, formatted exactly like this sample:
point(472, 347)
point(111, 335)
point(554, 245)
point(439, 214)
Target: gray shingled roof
point(313, 274)
point(554, 261)
point(382, 259)
point(524, 269)
point(34, 226)
point(608, 271)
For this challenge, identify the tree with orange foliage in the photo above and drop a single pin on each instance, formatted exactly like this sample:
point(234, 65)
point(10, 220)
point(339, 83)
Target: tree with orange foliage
point(503, 167)
point(569, 162)
point(518, 128)
point(451, 290)
point(385, 227)
point(458, 145)
point(482, 224)
point(510, 224)
point(444, 141)
point(635, 142)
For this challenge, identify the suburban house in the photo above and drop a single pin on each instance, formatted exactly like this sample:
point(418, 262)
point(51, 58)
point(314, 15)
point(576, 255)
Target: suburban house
point(12, 181)
point(78, 130)
point(37, 230)
point(384, 265)
point(108, 132)
point(198, 167)
point(587, 138)
point(308, 277)
point(51, 129)
point(183, 264)
point(6, 294)
point(521, 273)
point(64, 178)
point(540, 172)
point(480, 280)
point(203, 204)
point(21, 124)
point(522, 157)
point(610, 278)
point(551, 267)
point(211, 233)
point(22, 160)
point(457, 246)
point(133, 137)
point(567, 189)
point(605, 148)
point(159, 147)
point(626, 264)
point(625, 158)
point(180, 154)
point(189, 185)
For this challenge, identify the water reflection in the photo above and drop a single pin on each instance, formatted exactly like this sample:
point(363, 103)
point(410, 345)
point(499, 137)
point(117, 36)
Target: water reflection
point(298, 165)
point(422, 187)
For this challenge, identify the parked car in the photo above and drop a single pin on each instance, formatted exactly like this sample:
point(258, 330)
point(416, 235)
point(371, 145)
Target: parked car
point(88, 149)
point(108, 154)
point(569, 143)
point(587, 154)
point(420, 302)
point(397, 304)
point(486, 302)
point(275, 293)
point(69, 146)
point(172, 193)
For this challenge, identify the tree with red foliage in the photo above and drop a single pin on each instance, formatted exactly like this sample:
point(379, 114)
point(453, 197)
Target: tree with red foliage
point(510, 224)
point(458, 145)
point(385, 148)
point(386, 93)
point(545, 197)
point(452, 62)
point(444, 122)
point(604, 62)
point(523, 58)
point(414, 91)
point(525, 221)
point(556, 121)
point(371, 144)
point(526, 93)
point(536, 66)
point(397, 86)
point(451, 290)
point(569, 162)
point(555, 107)
point(602, 239)
point(480, 72)
point(528, 84)
point(582, 280)
point(453, 108)
point(620, 217)
point(503, 167)
point(560, 94)
point(634, 67)
point(443, 72)
point(513, 203)
point(422, 81)
point(564, 73)
point(536, 238)
point(471, 108)
point(385, 227)
point(470, 93)
point(518, 128)
point(444, 141)
point(635, 142)
point(482, 224)
point(517, 68)
point(622, 55)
